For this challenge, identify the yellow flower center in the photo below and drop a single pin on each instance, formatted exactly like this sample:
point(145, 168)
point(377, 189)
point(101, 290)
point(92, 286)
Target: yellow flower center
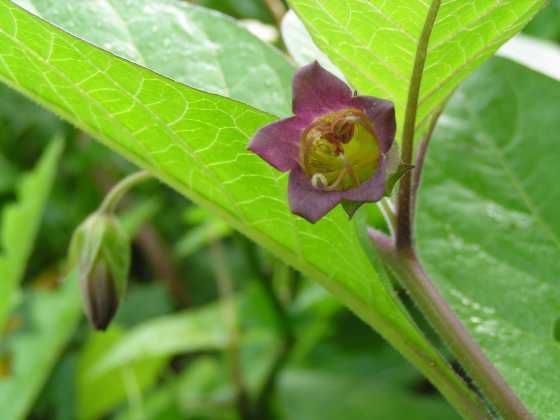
point(339, 151)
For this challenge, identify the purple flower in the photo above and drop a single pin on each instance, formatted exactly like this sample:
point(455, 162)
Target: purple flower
point(337, 147)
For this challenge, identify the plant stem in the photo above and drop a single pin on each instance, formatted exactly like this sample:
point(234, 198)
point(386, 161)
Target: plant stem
point(225, 287)
point(407, 267)
point(425, 357)
point(404, 214)
point(114, 196)
point(420, 159)
point(402, 257)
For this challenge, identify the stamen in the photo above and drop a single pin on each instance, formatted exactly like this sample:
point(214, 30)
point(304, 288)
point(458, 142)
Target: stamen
point(319, 181)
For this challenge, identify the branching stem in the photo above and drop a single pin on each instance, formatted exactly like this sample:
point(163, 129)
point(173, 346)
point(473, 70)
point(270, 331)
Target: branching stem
point(402, 259)
point(410, 273)
point(404, 213)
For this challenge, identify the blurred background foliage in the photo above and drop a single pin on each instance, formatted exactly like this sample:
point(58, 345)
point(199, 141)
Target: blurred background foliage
point(209, 320)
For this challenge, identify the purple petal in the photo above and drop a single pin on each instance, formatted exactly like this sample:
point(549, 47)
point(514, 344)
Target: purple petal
point(316, 91)
point(382, 115)
point(306, 201)
point(370, 191)
point(313, 204)
point(278, 143)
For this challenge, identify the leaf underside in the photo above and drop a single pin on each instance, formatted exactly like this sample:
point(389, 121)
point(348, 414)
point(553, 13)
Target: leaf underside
point(374, 42)
point(195, 141)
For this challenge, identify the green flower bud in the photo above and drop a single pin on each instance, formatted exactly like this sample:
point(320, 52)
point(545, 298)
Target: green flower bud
point(100, 249)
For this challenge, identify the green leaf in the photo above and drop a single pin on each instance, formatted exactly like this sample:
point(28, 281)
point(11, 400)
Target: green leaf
point(350, 396)
point(196, 142)
point(547, 23)
point(192, 330)
point(488, 225)
point(374, 42)
point(48, 320)
point(300, 45)
point(20, 222)
point(189, 44)
point(8, 175)
point(99, 392)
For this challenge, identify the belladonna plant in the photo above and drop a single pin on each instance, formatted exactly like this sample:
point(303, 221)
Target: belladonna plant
point(338, 148)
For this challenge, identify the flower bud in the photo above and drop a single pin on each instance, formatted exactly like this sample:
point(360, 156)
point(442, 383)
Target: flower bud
point(100, 249)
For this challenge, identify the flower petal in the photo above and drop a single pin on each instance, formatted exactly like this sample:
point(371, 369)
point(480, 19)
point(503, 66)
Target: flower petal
point(382, 115)
point(308, 202)
point(317, 91)
point(370, 191)
point(278, 143)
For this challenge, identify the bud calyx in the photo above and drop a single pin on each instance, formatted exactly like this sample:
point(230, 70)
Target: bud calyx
point(100, 249)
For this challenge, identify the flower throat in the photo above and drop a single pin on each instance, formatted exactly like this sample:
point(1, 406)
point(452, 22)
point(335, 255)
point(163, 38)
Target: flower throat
point(339, 151)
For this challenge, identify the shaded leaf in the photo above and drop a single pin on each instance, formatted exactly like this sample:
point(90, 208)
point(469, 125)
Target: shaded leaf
point(488, 226)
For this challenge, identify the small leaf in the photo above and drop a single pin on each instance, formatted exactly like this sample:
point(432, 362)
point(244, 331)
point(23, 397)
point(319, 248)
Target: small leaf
point(20, 222)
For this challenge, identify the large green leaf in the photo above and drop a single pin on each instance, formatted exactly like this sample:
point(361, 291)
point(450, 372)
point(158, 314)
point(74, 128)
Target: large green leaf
point(374, 42)
point(188, 44)
point(488, 225)
point(20, 222)
point(195, 141)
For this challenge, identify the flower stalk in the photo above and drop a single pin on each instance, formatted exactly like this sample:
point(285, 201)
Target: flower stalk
point(113, 198)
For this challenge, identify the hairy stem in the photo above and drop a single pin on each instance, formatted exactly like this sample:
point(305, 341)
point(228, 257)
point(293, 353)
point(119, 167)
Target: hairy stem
point(114, 196)
point(409, 271)
point(404, 213)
